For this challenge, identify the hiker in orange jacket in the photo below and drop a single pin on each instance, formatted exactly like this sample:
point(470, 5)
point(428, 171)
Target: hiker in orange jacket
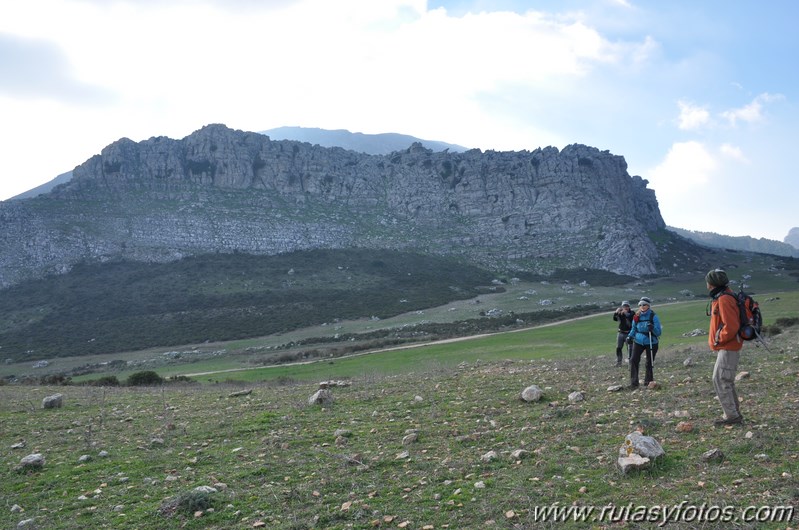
point(724, 340)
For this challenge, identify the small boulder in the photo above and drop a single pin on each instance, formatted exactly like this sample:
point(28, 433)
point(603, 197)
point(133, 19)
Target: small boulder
point(33, 461)
point(576, 397)
point(532, 393)
point(410, 438)
point(323, 396)
point(639, 444)
point(489, 456)
point(713, 455)
point(56, 401)
point(633, 462)
point(685, 426)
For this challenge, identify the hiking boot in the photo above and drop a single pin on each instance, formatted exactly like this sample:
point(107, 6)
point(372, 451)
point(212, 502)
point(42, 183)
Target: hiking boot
point(618, 363)
point(730, 421)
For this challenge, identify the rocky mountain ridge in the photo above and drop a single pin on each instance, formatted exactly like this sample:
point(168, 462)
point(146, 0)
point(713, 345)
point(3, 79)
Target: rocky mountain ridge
point(224, 190)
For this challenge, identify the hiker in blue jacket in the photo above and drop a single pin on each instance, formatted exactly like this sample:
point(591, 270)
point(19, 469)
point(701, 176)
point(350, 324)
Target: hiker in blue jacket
point(644, 337)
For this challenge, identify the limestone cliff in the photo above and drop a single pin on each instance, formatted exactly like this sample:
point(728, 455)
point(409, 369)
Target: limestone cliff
point(222, 190)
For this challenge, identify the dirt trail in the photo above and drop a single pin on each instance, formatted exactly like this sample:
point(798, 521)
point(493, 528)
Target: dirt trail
point(394, 348)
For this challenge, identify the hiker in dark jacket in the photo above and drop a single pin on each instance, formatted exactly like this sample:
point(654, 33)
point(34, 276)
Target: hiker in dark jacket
point(644, 337)
point(624, 316)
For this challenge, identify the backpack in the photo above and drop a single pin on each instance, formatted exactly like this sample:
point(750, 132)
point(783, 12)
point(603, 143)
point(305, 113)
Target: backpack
point(750, 315)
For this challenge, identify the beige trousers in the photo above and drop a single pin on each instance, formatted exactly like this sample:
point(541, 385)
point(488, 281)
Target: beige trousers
point(724, 382)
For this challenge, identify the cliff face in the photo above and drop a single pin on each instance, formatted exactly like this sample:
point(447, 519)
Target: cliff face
point(220, 190)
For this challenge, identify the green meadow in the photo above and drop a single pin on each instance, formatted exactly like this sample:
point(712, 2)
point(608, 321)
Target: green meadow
point(425, 437)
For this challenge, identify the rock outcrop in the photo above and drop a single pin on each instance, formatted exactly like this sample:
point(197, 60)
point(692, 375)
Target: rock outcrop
point(222, 190)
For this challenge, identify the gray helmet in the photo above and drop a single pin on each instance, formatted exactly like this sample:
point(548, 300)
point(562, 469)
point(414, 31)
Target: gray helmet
point(717, 278)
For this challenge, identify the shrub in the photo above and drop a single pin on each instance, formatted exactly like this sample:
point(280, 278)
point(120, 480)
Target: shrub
point(187, 502)
point(146, 378)
point(180, 379)
point(106, 380)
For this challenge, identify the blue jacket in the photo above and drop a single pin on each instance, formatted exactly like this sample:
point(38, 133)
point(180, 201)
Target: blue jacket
point(640, 329)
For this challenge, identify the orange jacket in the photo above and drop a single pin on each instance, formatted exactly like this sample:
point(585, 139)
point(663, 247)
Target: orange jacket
point(724, 323)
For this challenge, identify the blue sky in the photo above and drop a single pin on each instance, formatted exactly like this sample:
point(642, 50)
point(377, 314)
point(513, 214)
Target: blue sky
point(699, 97)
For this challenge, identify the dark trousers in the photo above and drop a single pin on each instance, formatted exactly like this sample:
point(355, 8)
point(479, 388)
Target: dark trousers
point(621, 337)
point(635, 361)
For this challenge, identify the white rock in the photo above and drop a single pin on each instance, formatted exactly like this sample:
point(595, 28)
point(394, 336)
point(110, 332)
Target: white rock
point(531, 393)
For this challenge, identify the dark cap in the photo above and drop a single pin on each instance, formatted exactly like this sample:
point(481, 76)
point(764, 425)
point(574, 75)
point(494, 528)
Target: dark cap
point(717, 278)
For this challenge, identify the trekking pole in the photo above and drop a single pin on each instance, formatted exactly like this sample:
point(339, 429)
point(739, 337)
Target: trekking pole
point(762, 341)
point(651, 355)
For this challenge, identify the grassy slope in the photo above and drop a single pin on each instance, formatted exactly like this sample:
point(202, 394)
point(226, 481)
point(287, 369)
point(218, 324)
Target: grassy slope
point(115, 307)
point(282, 466)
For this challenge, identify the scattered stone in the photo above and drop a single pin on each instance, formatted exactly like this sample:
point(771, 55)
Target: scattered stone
point(17, 509)
point(633, 462)
point(713, 455)
point(323, 396)
point(33, 461)
point(103, 454)
point(18, 445)
point(328, 384)
point(56, 401)
point(615, 388)
point(410, 438)
point(741, 376)
point(240, 393)
point(531, 393)
point(761, 457)
point(402, 455)
point(519, 454)
point(489, 456)
point(84, 458)
point(695, 333)
point(418, 399)
point(205, 489)
point(26, 522)
point(653, 385)
point(685, 426)
point(344, 433)
point(688, 362)
point(576, 397)
point(749, 435)
point(681, 414)
point(639, 444)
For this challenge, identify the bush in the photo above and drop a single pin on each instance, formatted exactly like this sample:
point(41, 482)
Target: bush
point(187, 502)
point(180, 379)
point(106, 380)
point(146, 378)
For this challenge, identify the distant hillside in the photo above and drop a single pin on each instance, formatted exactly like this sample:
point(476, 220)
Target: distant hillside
point(44, 188)
point(762, 245)
point(372, 144)
point(222, 190)
point(793, 237)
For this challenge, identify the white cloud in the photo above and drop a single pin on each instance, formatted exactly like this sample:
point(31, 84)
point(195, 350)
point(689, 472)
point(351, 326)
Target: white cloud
point(733, 152)
point(687, 167)
point(692, 116)
point(751, 113)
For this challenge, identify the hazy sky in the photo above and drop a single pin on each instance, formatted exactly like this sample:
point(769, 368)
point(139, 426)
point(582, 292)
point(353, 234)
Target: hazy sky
point(700, 97)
